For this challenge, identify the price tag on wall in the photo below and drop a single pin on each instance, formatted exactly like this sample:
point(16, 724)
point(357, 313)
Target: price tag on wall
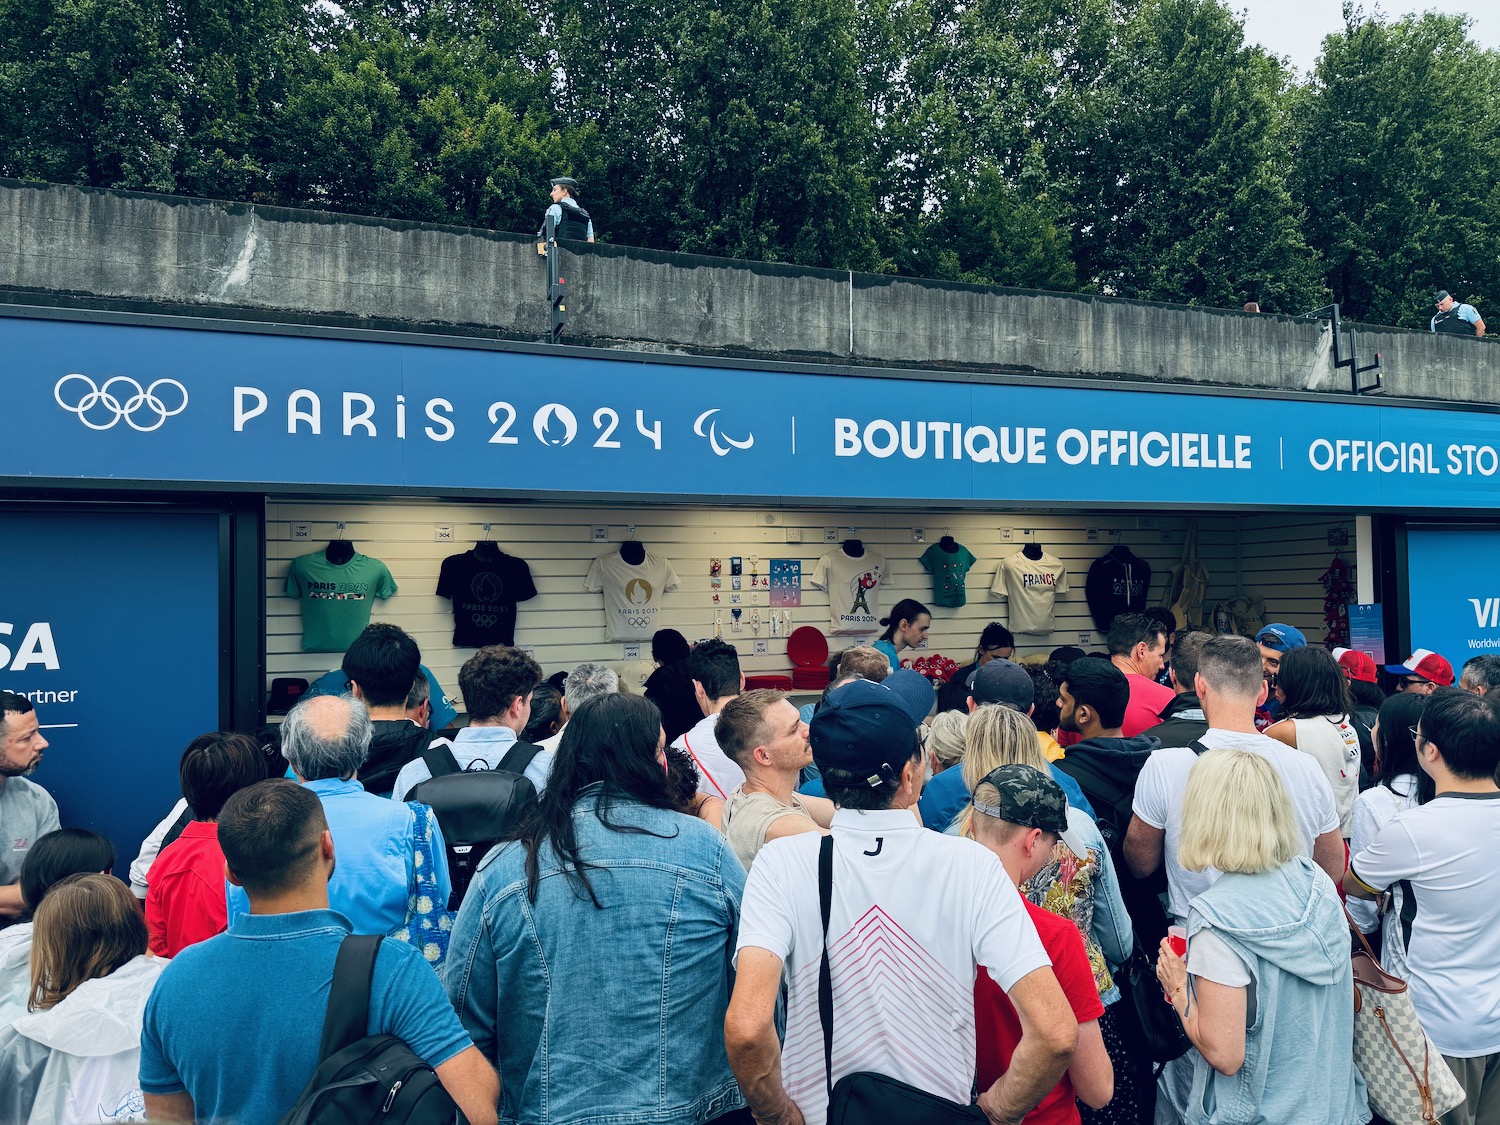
point(633, 651)
point(302, 531)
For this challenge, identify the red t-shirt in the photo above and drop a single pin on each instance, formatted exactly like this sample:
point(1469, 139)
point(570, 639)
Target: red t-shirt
point(1147, 701)
point(999, 1028)
point(185, 891)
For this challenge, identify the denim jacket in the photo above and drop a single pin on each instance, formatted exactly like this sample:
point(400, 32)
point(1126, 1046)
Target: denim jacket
point(610, 1016)
point(1299, 1062)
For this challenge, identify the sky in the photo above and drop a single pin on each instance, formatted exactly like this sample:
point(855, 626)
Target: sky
point(1295, 28)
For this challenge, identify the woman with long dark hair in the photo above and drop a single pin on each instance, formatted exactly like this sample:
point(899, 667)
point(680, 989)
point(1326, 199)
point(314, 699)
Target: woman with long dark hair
point(1317, 706)
point(905, 628)
point(607, 926)
point(1401, 785)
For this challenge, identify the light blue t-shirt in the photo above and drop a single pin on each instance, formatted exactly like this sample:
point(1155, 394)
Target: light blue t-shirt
point(946, 795)
point(374, 852)
point(888, 650)
point(443, 714)
point(236, 1020)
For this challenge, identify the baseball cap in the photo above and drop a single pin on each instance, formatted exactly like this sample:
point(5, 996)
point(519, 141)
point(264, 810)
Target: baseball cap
point(1281, 637)
point(1440, 296)
point(1356, 665)
point(1427, 664)
point(1030, 798)
point(914, 690)
point(1005, 682)
point(864, 728)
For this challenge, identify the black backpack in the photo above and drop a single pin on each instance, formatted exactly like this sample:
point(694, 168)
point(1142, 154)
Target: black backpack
point(476, 809)
point(366, 1078)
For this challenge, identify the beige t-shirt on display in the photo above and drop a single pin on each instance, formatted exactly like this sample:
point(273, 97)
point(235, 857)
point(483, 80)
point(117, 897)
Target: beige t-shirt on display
point(748, 816)
point(632, 594)
point(853, 587)
point(1032, 586)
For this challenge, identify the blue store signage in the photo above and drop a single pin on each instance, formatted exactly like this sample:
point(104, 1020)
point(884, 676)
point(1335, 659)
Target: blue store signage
point(109, 623)
point(117, 402)
point(1454, 593)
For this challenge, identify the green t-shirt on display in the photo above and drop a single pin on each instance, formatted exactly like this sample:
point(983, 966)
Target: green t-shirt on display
point(336, 598)
point(948, 570)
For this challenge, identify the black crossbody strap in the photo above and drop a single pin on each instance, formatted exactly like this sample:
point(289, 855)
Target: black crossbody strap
point(348, 1018)
point(825, 974)
point(1197, 747)
point(518, 757)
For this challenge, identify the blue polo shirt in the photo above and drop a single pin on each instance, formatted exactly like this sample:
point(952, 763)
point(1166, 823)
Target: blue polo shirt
point(235, 1021)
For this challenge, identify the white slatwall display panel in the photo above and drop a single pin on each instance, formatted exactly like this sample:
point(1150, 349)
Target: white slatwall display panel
point(564, 624)
point(1282, 557)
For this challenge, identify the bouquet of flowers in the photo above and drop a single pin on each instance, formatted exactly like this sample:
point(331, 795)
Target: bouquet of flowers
point(939, 669)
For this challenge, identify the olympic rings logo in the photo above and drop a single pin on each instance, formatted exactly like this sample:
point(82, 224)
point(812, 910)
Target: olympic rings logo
point(484, 620)
point(121, 397)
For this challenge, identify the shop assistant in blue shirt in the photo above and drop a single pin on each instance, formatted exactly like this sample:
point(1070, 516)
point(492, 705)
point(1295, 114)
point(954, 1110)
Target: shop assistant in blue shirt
point(374, 847)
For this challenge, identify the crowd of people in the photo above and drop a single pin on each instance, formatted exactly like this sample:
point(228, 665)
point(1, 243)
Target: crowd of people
point(705, 905)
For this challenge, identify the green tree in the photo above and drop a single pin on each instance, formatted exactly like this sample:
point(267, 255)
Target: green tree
point(774, 135)
point(86, 94)
point(1397, 157)
point(1178, 190)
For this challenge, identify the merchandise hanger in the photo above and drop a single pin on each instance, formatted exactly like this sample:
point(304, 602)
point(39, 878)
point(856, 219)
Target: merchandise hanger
point(853, 546)
point(339, 550)
point(1032, 550)
point(633, 551)
point(486, 548)
point(947, 542)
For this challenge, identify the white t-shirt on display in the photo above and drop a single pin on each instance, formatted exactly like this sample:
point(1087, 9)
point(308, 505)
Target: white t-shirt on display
point(1447, 848)
point(914, 914)
point(1163, 780)
point(853, 587)
point(1031, 586)
point(632, 594)
point(718, 776)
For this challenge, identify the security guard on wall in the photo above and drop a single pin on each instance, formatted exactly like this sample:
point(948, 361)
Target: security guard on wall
point(572, 220)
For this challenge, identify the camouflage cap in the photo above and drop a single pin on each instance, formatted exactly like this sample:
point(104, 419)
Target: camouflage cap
point(1030, 798)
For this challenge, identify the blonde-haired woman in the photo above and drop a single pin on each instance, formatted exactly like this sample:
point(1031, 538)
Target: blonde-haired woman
point(947, 740)
point(1082, 888)
point(1266, 993)
point(75, 1056)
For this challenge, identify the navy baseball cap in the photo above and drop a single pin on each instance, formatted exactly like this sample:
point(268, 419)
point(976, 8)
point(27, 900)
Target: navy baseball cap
point(1004, 682)
point(863, 728)
point(914, 690)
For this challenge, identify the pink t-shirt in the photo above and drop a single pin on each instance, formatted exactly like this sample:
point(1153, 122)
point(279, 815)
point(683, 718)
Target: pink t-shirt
point(1147, 701)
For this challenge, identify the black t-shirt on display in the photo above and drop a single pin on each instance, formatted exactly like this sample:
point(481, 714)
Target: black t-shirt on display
point(484, 587)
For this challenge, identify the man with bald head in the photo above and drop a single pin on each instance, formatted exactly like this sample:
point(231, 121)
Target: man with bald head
point(325, 739)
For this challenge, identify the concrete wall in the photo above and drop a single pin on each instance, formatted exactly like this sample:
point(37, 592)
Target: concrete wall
point(228, 259)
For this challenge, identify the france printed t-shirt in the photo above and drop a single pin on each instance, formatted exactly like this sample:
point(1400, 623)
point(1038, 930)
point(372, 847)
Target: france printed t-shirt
point(484, 588)
point(1032, 586)
point(948, 570)
point(853, 587)
point(336, 598)
point(632, 594)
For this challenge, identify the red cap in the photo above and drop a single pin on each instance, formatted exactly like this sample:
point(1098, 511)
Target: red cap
point(1427, 664)
point(1356, 665)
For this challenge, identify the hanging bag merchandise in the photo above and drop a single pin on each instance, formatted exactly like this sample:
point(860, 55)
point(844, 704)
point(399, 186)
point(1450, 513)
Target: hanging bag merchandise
point(1408, 1081)
point(867, 1098)
point(1188, 582)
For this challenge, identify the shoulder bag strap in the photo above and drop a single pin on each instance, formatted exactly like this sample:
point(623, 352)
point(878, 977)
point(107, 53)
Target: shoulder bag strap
point(1197, 747)
point(440, 760)
point(518, 757)
point(348, 1018)
point(825, 974)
